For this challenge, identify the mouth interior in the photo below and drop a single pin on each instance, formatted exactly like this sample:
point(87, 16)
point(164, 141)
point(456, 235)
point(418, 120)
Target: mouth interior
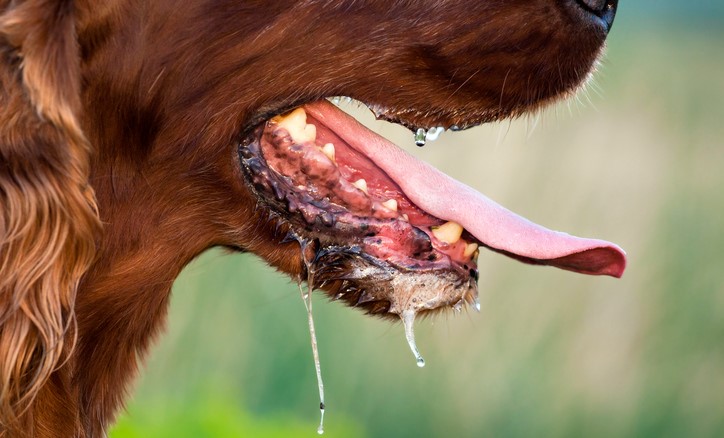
point(338, 194)
point(348, 186)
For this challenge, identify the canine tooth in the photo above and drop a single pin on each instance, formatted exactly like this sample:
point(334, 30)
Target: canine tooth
point(361, 184)
point(420, 135)
point(405, 217)
point(470, 249)
point(390, 204)
point(328, 150)
point(310, 134)
point(295, 123)
point(448, 232)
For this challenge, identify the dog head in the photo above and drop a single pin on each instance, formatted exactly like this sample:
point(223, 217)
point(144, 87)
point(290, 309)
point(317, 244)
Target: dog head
point(378, 229)
point(212, 76)
point(206, 123)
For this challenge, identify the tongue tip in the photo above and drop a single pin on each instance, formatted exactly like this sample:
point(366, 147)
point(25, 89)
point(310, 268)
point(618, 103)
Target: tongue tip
point(607, 259)
point(603, 258)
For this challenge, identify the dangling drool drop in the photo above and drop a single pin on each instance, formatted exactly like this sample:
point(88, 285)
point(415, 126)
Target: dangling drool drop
point(434, 133)
point(408, 320)
point(420, 135)
point(307, 299)
point(307, 256)
point(320, 429)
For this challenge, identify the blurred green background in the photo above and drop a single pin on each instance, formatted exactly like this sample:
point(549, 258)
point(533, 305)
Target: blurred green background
point(637, 159)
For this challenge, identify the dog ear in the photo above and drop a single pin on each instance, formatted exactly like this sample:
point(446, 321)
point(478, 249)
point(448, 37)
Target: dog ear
point(48, 218)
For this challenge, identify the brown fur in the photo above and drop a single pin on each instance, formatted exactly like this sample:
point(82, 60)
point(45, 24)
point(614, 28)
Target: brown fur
point(143, 104)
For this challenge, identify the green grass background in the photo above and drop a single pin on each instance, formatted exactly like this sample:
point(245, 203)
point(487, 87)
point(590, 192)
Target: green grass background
point(638, 158)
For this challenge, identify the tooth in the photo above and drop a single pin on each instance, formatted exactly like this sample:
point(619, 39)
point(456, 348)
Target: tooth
point(470, 249)
point(328, 150)
point(405, 217)
point(295, 123)
point(448, 232)
point(361, 184)
point(390, 204)
point(310, 134)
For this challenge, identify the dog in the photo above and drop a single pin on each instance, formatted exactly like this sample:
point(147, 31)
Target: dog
point(134, 135)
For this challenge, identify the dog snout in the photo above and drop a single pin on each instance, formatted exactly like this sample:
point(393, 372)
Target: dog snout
point(605, 10)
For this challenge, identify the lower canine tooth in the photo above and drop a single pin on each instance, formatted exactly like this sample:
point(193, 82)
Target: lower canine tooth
point(448, 232)
point(361, 184)
point(390, 204)
point(328, 150)
point(470, 249)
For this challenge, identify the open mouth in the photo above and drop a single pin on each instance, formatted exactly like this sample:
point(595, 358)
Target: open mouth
point(386, 231)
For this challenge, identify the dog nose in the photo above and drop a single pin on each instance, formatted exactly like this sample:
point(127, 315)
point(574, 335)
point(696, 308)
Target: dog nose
point(603, 9)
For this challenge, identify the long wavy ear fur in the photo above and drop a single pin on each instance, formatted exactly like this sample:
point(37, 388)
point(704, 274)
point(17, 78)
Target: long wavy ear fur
point(48, 219)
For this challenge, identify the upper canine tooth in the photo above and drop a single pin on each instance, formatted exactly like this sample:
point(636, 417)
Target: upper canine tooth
point(361, 184)
point(295, 123)
point(470, 249)
point(390, 204)
point(448, 232)
point(328, 150)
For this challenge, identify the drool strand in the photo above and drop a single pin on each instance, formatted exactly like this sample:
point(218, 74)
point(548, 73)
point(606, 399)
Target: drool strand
point(307, 300)
point(408, 320)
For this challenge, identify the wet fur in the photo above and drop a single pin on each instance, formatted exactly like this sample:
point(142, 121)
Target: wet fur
point(119, 123)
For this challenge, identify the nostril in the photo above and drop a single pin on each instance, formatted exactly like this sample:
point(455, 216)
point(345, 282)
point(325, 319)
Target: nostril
point(603, 9)
point(594, 5)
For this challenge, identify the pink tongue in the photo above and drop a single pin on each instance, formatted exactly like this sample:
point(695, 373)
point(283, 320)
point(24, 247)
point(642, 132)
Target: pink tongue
point(448, 199)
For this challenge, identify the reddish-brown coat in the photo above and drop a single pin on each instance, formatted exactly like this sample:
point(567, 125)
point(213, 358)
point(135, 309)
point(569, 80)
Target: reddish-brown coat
point(159, 92)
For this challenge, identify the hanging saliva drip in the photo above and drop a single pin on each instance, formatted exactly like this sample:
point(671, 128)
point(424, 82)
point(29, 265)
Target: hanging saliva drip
point(420, 137)
point(434, 133)
point(307, 299)
point(408, 320)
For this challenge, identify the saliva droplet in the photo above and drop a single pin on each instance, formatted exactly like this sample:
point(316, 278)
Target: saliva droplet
point(320, 429)
point(420, 135)
point(307, 299)
point(408, 320)
point(434, 133)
